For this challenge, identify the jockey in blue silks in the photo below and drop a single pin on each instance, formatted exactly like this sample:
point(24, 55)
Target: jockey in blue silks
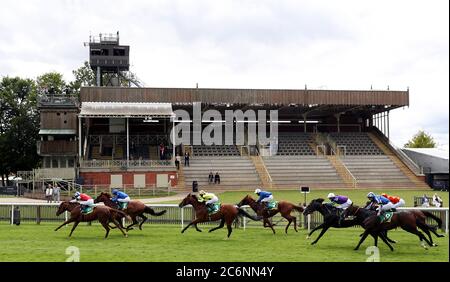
point(120, 197)
point(264, 197)
point(383, 202)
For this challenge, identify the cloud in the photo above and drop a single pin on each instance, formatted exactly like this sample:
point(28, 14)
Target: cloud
point(346, 44)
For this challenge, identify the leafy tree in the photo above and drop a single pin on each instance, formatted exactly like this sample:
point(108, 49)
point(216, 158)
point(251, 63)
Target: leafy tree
point(19, 125)
point(51, 83)
point(84, 76)
point(421, 140)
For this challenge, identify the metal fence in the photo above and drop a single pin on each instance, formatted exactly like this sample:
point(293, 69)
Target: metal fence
point(41, 212)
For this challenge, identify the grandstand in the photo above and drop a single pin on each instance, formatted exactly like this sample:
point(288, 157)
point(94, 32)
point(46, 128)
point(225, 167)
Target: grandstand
point(113, 136)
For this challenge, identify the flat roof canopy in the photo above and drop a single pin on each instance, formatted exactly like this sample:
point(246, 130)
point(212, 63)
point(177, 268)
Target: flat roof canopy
point(57, 132)
point(125, 109)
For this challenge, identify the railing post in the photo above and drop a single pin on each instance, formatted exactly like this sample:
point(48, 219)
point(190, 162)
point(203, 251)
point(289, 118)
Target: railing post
point(182, 217)
point(446, 221)
point(309, 222)
point(12, 214)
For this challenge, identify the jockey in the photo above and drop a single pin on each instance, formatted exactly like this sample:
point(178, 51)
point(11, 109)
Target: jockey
point(264, 197)
point(383, 202)
point(210, 199)
point(340, 202)
point(120, 197)
point(83, 199)
point(397, 201)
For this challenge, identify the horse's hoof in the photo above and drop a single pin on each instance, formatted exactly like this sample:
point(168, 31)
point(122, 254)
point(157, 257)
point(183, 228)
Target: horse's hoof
point(355, 249)
point(313, 243)
point(394, 242)
point(126, 235)
point(308, 237)
point(435, 245)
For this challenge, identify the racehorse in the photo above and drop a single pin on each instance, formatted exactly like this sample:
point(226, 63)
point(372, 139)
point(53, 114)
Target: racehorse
point(284, 208)
point(134, 209)
point(406, 220)
point(421, 217)
point(104, 215)
point(226, 214)
point(331, 219)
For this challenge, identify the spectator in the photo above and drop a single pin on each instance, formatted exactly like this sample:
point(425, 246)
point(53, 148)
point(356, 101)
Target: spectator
point(49, 193)
point(186, 159)
point(210, 177)
point(425, 201)
point(217, 178)
point(437, 201)
point(177, 161)
point(162, 151)
point(57, 194)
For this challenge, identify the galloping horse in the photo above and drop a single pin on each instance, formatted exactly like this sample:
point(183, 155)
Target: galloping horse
point(331, 219)
point(406, 220)
point(104, 215)
point(134, 209)
point(227, 214)
point(284, 208)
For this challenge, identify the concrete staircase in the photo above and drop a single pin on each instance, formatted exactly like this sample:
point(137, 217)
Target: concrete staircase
point(418, 182)
point(292, 172)
point(342, 170)
point(264, 175)
point(236, 173)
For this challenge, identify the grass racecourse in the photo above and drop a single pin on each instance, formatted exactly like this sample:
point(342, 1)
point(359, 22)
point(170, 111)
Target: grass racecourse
point(30, 242)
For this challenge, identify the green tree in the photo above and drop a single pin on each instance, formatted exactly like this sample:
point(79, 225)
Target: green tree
point(51, 83)
point(84, 76)
point(421, 140)
point(19, 125)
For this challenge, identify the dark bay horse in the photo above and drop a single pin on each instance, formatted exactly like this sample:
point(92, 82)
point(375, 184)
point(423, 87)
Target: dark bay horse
point(331, 219)
point(226, 214)
point(134, 209)
point(104, 214)
point(406, 220)
point(284, 208)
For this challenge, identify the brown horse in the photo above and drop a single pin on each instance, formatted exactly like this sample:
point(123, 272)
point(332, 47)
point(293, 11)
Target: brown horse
point(134, 209)
point(227, 214)
point(406, 220)
point(104, 215)
point(284, 208)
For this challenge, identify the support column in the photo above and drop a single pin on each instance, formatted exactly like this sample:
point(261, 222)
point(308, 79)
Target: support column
point(99, 76)
point(173, 140)
point(79, 138)
point(388, 126)
point(304, 123)
point(128, 140)
point(338, 117)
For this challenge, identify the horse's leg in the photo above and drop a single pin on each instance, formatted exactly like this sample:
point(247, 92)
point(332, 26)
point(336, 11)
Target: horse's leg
point(425, 229)
point(325, 228)
point(419, 234)
point(229, 228)
point(73, 227)
point(67, 222)
point(144, 218)
point(316, 228)
point(267, 223)
point(364, 236)
point(120, 227)
point(191, 223)
point(105, 225)
point(384, 238)
point(433, 229)
point(196, 228)
point(290, 219)
point(387, 238)
point(221, 225)
point(134, 222)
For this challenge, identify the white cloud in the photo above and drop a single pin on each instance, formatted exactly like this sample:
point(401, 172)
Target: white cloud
point(251, 44)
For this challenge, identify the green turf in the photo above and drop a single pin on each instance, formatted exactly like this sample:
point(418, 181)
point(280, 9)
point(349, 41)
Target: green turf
point(32, 242)
point(358, 196)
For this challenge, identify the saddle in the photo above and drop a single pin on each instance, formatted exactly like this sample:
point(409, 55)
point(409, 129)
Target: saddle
point(212, 209)
point(122, 205)
point(272, 205)
point(385, 216)
point(86, 209)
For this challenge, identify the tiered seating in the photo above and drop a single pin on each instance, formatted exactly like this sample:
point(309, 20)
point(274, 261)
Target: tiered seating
point(290, 171)
point(235, 172)
point(375, 169)
point(294, 144)
point(216, 150)
point(356, 143)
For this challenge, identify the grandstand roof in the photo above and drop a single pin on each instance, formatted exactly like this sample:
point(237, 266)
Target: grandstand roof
point(387, 99)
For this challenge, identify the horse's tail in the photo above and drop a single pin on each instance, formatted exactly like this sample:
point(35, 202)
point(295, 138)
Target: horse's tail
point(246, 214)
point(437, 219)
point(298, 208)
point(116, 212)
point(152, 212)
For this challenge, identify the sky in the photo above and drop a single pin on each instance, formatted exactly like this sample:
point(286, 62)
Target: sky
point(346, 44)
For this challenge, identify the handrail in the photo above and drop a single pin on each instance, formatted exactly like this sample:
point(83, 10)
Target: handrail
point(265, 168)
point(399, 153)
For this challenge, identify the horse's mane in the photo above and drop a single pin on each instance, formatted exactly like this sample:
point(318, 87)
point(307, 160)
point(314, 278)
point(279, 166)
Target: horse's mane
point(106, 194)
point(320, 200)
